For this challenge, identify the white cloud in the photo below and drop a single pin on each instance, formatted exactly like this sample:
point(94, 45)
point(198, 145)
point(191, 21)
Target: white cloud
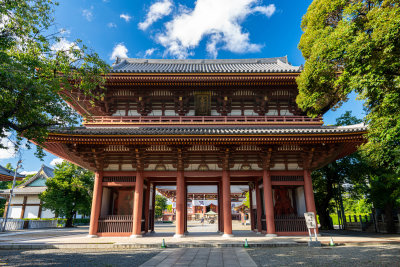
point(126, 17)
point(64, 45)
point(218, 21)
point(149, 52)
point(156, 12)
point(9, 152)
point(28, 172)
point(56, 161)
point(111, 25)
point(266, 10)
point(88, 13)
point(120, 51)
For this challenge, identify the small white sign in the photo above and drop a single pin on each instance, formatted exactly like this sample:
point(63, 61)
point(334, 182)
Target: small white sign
point(310, 220)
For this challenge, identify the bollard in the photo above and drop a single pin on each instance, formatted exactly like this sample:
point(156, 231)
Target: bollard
point(163, 244)
point(246, 244)
point(331, 243)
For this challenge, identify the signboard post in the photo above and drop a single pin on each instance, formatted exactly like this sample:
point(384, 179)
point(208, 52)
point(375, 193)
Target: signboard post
point(311, 223)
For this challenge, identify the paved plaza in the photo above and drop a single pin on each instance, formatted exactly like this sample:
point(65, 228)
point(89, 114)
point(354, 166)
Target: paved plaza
point(365, 256)
point(203, 246)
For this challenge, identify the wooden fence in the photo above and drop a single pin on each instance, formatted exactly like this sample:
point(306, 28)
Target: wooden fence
point(115, 224)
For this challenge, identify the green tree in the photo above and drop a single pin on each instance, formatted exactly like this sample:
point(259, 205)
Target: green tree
point(161, 205)
point(69, 191)
point(326, 181)
point(384, 193)
point(37, 68)
point(354, 46)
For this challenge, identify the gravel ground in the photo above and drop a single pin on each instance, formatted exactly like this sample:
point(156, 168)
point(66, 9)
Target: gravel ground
point(75, 257)
point(379, 255)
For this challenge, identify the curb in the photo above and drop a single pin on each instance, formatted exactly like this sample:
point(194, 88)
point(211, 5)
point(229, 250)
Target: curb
point(16, 246)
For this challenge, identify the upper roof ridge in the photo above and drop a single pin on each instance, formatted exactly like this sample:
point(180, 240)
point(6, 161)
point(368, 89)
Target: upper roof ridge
point(254, 65)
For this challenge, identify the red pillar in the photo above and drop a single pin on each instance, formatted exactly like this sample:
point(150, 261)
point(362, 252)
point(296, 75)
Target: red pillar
point(180, 204)
point(96, 204)
point(252, 224)
point(137, 206)
point(220, 209)
point(185, 210)
point(153, 202)
point(147, 207)
point(309, 193)
point(269, 204)
point(259, 206)
point(226, 196)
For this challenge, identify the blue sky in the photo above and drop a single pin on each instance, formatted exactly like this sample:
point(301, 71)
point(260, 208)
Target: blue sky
point(183, 29)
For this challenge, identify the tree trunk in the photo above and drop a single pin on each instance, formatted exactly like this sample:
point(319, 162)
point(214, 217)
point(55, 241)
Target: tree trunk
point(391, 229)
point(70, 220)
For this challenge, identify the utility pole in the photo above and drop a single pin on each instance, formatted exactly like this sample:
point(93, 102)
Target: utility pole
point(3, 229)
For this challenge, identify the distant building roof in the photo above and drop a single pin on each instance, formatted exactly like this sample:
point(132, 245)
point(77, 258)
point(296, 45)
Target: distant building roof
point(44, 172)
point(8, 175)
point(256, 65)
point(24, 189)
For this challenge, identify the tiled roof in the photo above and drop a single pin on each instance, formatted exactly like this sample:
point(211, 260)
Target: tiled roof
point(257, 65)
point(7, 172)
point(211, 130)
point(47, 171)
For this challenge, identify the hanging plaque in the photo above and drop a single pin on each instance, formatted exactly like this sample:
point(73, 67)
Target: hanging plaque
point(202, 103)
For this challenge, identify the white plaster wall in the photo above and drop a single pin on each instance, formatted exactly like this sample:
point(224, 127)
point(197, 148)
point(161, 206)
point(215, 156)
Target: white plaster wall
point(300, 201)
point(294, 166)
point(119, 113)
point(156, 113)
point(31, 212)
point(278, 167)
point(133, 113)
point(170, 113)
point(127, 167)
point(112, 167)
point(15, 212)
point(215, 113)
point(33, 199)
point(248, 112)
point(286, 112)
point(47, 214)
point(235, 112)
point(105, 201)
point(191, 113)
point(17, 200)
point(272, 112)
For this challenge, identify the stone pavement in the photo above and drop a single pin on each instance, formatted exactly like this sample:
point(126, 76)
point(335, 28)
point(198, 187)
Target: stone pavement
point(210, 257)
point(199, 236)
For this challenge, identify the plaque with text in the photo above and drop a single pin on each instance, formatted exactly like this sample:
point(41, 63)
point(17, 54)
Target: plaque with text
point(202, 103)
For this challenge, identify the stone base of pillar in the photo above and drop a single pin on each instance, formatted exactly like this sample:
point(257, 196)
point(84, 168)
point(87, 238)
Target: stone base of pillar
point(271, 235)
point(92, 236)
point(227, 235)
point(135, 236)
point(186, 232)
point(178, 236)
point(153, 232)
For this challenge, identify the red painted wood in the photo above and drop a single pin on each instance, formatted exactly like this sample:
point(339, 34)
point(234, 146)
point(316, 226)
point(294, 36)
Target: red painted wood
point(226, 202)
point(269, 205)
point(96, 203)
point(137, 205)
point(119, 184)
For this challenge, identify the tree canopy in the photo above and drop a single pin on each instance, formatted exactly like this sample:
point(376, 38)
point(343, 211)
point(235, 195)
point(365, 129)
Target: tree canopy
point(328, 180)
point(69, 191)
point(36, 64)
point(354, 46)
point(160, 205)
